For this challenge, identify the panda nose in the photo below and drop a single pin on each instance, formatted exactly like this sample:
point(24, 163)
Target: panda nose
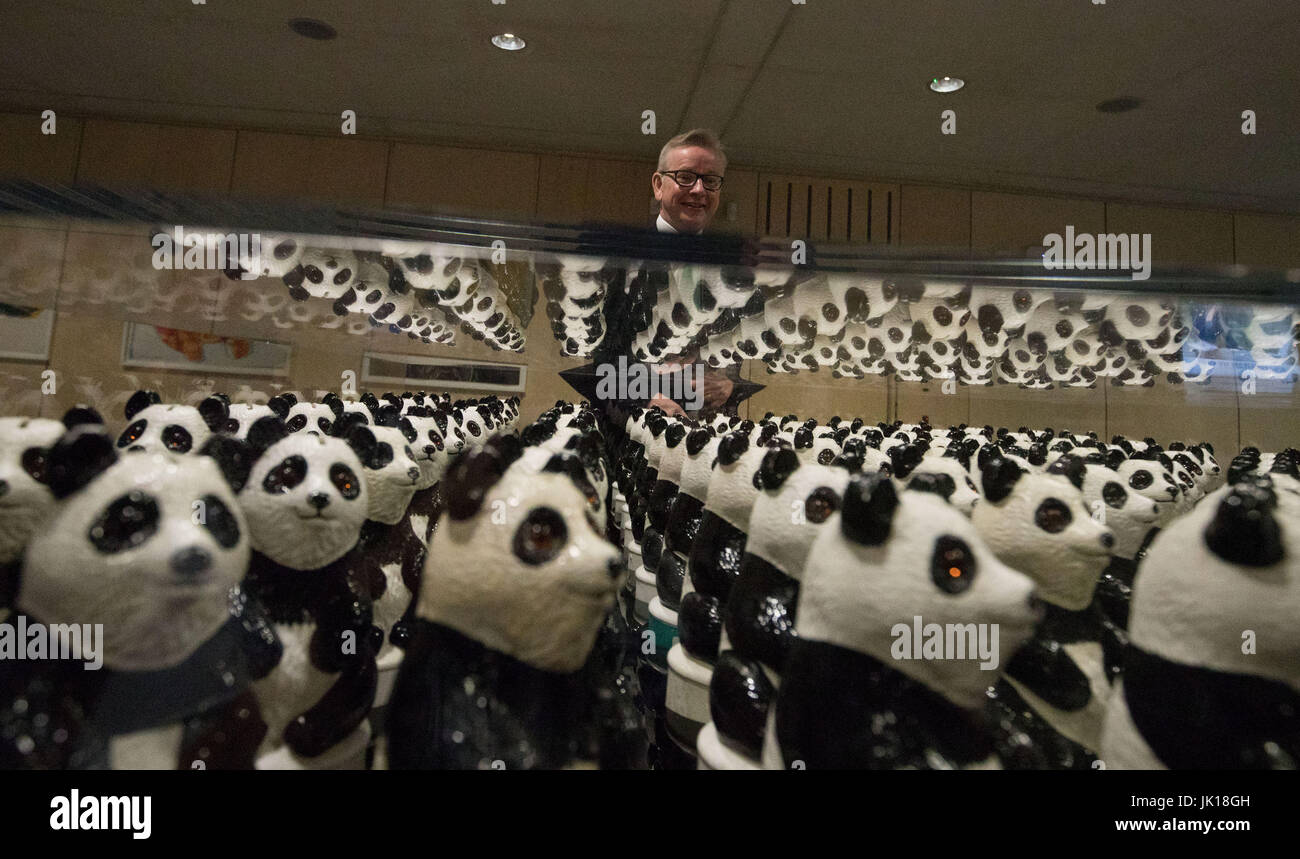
point(319, 500)
point(1108, 540)
point(615, 568)
point(190, 562)
point(4, 488)
point(430, 449)
point(413, 473)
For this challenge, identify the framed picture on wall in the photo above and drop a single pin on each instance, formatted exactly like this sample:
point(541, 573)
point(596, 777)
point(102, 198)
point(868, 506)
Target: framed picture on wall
point(159, 348)
point(25, 332)
point(422, 371)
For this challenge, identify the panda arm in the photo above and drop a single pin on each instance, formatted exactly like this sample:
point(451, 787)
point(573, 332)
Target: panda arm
point(257, 634)
point(345, 632)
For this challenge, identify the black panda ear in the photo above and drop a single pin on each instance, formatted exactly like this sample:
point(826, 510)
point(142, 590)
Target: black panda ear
point(852, 455)
point(215, 409)
point(697, 439)
point(140, 401)
point(289, 397)
point(360, 439)
point(803, 438)
point(939, 484)
point(386, 415)
point(572, 466)
point(998, 475)
point(469, 480)
point(1244, 531)
point(408, 429)
point(905, 457)
point(778, 464)
point(77, 458)
point(233, 456)
point(1071, 468)
point(1037, 454)
point(675, 434)
point(265, 432)
point(732, 447)
point(280, 405)
point(80, 416)
point(335, 404)
point(868, 511)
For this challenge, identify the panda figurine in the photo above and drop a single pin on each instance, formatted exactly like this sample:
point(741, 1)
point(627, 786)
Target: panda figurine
point(512, 597)
point(306, 501)
point(793, 504)
point(1132, 517)
point(149, 548)
point(299, 415)
point(25, 498)
point(1055, 688)
point(154, 426)
point(241, 416)
point(887, 563)
point(1196, 693)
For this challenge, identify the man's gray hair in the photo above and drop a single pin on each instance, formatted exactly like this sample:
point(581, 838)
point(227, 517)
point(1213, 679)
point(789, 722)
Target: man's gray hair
point(701, 137)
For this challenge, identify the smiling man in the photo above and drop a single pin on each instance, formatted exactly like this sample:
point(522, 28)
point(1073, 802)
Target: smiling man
point(688, 181)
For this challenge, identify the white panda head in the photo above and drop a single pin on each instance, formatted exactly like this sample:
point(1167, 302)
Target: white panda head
point(242, 416)
point(303, 415)
point(946, 476)
point(278, 256)
point(149, 545)
point(154, 426)
point(1231, 564)
point(890, 556)
point(733, 486)
point(1153, 480)
point(389, 467)
point(476, 429)
point(518, 562)
point(795, 502)
point(369, 291)
point(1129, 514)
point(304, 497)
point(25, 496)
point(1037, 523)
point(431, 455)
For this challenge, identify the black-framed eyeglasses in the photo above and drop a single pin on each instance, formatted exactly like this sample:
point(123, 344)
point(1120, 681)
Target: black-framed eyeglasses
point(687, 179)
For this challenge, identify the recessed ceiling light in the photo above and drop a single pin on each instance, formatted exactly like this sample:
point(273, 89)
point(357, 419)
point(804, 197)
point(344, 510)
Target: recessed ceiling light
point(1123, 104)
point(508, 42)
point(946, 84)
point(313, 29)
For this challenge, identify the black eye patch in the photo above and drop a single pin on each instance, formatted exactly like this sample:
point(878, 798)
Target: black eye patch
point(220, 521)
point(177, 439)
point(474, 429)
point(132, 434)
point(125, 524)
point(541, 536)
point(1114, 494)
point(324, 424)
point(382, 456)
point(1140, 480)
point(345, 481)
point(285, 476)
point(33, 462)
point(820, 504)
point(1053, 516)
point(953, 566)
point(297, 423)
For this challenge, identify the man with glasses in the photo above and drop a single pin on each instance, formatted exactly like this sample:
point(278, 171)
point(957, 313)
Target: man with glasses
point(688, 181)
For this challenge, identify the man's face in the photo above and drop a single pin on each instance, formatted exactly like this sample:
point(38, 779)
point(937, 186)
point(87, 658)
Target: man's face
point(688, 210)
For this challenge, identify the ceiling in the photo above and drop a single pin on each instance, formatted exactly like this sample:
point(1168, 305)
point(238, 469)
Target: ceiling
point(828, 86)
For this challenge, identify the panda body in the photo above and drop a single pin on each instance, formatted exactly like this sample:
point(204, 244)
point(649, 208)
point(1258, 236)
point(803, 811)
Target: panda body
point(127, 549)
point(25, 498)
point(1194, 696)
point(846, 699)
point(507, 616)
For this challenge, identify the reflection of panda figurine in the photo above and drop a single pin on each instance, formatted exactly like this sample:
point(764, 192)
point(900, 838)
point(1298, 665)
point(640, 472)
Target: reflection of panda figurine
point(1196, 693)
point(758, 622)
point(152, 547)
point(305, 502)
point(154, 426)
point(512, 597)
point(25, 499)
point(850, 696)
point(1055, 688)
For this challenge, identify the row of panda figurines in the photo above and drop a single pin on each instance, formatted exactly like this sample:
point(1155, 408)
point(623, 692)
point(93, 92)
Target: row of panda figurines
point(256, 570)
point(794, 559)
